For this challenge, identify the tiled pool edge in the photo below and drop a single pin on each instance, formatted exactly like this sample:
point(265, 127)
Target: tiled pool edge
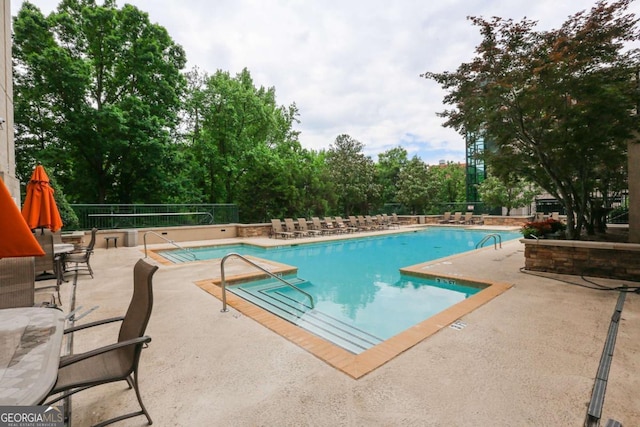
point(357, 366)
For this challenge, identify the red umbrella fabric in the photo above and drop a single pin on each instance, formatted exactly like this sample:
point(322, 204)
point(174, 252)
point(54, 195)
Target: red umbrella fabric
point(17, 238)
point(40, 209)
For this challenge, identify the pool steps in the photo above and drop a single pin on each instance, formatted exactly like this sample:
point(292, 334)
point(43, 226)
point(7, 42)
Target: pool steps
point(273, 297)
point(179, 256)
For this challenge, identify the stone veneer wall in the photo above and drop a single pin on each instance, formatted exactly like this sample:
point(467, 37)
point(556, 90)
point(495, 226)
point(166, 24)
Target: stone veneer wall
point(253, 230)
point(516, 221)
point(596, 259)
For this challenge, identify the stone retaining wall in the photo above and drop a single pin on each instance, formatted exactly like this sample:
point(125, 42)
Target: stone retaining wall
point(517, 221)
point(596, 259)
point(253, 230)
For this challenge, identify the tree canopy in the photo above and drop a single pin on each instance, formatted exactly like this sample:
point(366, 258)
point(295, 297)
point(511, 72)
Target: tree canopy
point(97, 91)
point(103, 101)
point(556, 107)
point(509, 192)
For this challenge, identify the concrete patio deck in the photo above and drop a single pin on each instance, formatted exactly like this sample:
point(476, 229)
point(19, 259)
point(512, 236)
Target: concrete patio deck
point(526, 358)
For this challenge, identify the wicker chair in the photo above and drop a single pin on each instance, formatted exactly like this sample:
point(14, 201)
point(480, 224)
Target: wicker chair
point(45, 266)
point(48, 266)
point(17, 282)
point(115, 362)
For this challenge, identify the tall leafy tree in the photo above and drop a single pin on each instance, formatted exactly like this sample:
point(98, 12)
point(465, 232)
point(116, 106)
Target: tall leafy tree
point(415, 189)
point(449, 181)
point(510, 192)
point(96, 93)
point(353, 176)
point(390, 164)
point(236, 117)
point(557, 105)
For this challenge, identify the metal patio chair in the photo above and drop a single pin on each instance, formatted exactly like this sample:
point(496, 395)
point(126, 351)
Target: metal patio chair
point(114, 362)
point(80, 257)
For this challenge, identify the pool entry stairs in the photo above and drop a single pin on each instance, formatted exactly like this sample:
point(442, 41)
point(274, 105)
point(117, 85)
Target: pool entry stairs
point(272, 296)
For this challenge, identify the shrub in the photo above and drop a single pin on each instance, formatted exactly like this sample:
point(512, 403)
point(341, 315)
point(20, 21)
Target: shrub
point(540, 228)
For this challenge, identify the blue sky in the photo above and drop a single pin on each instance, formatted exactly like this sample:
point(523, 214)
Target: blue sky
point(351, 66)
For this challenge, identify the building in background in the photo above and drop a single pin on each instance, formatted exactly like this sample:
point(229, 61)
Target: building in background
point(7, 148)
point(475, 169)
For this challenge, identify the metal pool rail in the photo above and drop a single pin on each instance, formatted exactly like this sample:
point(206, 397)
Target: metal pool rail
point(187, 251)
point(248, 261)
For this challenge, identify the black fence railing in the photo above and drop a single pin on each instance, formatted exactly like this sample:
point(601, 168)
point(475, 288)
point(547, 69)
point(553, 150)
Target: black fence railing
point(144, 216)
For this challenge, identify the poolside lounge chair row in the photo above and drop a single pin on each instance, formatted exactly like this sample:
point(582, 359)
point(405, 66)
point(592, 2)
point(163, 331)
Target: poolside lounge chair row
point(459, 219)
point(328, 225)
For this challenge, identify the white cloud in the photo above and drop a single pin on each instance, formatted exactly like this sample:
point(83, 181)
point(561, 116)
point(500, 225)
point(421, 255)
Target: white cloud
point(351, 66)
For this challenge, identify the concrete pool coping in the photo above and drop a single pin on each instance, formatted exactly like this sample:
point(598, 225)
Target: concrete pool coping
point(528, 357)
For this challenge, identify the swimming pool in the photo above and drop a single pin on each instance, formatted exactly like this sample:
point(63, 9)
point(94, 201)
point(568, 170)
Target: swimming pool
point(360, 296)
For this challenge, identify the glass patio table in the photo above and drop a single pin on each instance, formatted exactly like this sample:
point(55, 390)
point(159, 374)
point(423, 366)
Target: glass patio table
point(30, 345)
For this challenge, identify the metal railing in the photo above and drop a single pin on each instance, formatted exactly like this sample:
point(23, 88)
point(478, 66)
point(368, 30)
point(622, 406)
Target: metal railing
point(496, 239)
point(264, 270)
point(111, 216)
point(186, 251)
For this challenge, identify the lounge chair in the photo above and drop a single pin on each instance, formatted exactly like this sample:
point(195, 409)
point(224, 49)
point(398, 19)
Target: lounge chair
point(115, 362)
point(372, 223)
point(394, 218)
point(317, 225)
point(362, 223)
point(353, 222)
point(382, 223)
point(302, 225)
point(446, 218)
point(342, 226)
point(468, 218)
point(291, 228)
point(456, 218)
point(278, 231)
point(390, 222)
point(333, 228)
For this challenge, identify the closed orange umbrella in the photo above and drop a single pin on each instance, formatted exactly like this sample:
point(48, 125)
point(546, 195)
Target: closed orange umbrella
point(40, 209)
point(17, 238)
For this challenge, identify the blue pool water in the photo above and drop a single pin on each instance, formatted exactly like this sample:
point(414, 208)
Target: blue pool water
point(356, 283)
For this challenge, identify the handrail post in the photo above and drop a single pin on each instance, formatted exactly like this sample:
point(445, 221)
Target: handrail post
point(144, 238)
point(223, 284)
point(497, 238)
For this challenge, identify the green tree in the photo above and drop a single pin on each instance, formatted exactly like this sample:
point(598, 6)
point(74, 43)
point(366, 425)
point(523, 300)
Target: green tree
point(449, 181)
point(234, 118)
point(353, 176)
point(284, 182)
point(511, 193)
point(390, 164)
point(67, 214)
point(96, 95)
point(555, 104)
point(415, 189)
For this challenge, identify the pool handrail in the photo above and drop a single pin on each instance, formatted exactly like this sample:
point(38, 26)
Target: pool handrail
point(264, 270)
point(144, 237)
point(495, 242)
